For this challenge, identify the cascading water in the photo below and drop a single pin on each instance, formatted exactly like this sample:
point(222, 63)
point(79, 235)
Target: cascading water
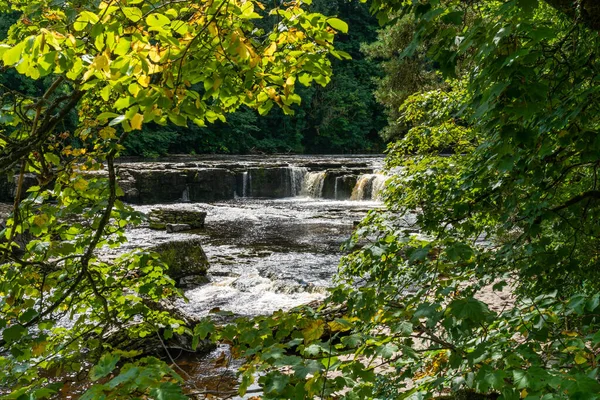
point(296, 178)
point(335, 189)
point(368, 186)
point(245, 183)
point(185, 196)
point(378, 184)
point(313, 184)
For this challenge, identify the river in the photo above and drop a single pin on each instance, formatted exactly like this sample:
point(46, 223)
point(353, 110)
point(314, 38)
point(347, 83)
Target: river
point(276, 252)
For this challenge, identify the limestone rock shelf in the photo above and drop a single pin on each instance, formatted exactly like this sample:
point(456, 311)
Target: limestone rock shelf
point(221, 178)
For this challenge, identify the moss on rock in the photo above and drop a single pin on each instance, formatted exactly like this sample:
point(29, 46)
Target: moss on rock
point(186, 261)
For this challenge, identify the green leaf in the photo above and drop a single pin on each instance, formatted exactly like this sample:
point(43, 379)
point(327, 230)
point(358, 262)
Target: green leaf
point(133, 13)
point(124, 377)
point(168, 391)
point(157, 20)
point(13, 55)
point(105, 366)
point(265, 107)
point(106, 115)
point(275, 383)
point(14, 333)
point(338, 24)
point(309, 367)
point(468, 309)
point(203, 329)
point(386, 351)
point(28, 315)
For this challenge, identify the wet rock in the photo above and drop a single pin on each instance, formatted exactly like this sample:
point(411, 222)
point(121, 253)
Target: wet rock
point(127, 184)
point(186, 261)
point(338, 185)
point(172, 228)
point(165, 183)
point(269, 182)
point(161, 218)
point(211, 184)
point(157, 186)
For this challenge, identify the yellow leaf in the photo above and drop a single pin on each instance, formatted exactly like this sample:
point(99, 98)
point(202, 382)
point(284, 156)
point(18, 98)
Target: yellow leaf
point(40, 220)
point(101, 62)
point(580, 358)
point(107, 133)
point(144, 80)
point(80, 184)
point(313, 331)
point(243, 51)
point(271, 49)
point(39, 348)
point(154, 54)
point(136, 121)
point(570, 333)
point(524, 393)
point(339, 326)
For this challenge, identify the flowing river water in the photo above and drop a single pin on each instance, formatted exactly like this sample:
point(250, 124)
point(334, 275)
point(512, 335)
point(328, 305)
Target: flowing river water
point(269, 253)
point(265, 254)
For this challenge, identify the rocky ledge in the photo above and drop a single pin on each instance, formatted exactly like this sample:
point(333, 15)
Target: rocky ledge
point(176, 220)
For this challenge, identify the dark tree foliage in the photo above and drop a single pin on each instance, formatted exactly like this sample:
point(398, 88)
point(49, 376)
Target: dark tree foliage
point(342, 117)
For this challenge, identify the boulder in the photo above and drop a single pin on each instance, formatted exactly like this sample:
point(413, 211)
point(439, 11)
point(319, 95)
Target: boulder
point(186, 261)
point(160, 218)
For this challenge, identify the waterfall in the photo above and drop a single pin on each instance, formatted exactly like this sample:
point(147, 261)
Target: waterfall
point(313, 184)
point(335, 188)
point(245, 183)
point(296, 178)
point(378, 185)
point(185, 196)
point(368, 186)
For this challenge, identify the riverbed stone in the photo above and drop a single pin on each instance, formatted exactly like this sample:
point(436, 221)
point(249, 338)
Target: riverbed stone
point(186, 261)
point(159, 218)
point(172, 228)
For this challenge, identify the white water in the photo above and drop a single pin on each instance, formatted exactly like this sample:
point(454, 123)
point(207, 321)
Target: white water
point(185, 196)
point(296, 177)
point(312, 185)
point(245, 183)
point(264, 255)
point(368, 186)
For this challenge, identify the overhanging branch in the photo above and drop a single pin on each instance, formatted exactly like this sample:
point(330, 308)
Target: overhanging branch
point(586, 12)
